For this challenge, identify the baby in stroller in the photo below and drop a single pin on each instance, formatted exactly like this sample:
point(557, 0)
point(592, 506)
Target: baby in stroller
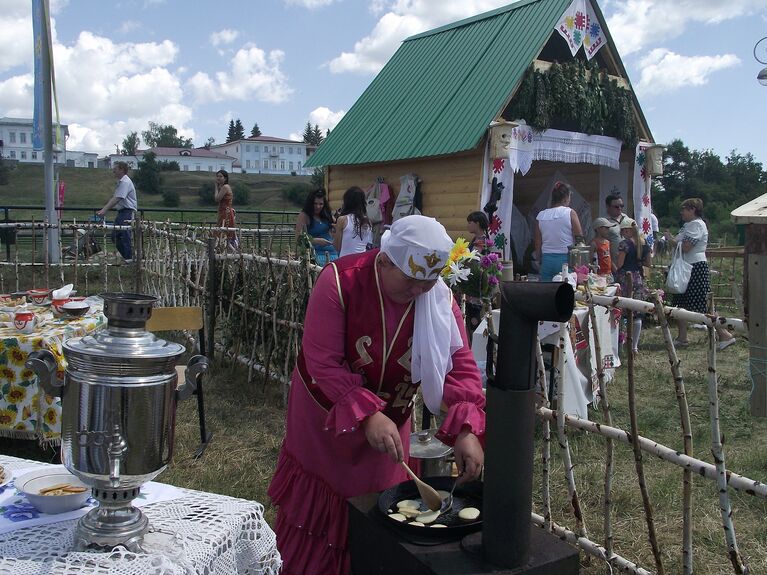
point(85, 244)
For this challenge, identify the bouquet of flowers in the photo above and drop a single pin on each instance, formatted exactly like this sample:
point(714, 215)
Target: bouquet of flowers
point(470, 273)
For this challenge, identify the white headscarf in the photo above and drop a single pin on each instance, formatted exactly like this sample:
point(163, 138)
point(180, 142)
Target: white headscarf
point(420, 247)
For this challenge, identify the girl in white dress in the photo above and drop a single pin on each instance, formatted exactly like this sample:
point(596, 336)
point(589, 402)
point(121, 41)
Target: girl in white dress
point(353, 233)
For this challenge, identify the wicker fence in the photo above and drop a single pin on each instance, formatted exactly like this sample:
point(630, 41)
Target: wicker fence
point(255, 302)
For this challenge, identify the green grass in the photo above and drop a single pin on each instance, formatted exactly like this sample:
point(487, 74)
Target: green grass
point(91, 188)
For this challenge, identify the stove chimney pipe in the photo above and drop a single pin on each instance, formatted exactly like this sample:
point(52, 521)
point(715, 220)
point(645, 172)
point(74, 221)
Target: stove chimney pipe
point(510, 430)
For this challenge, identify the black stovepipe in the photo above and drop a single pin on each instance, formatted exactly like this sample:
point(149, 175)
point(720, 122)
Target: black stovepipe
point(509, 437)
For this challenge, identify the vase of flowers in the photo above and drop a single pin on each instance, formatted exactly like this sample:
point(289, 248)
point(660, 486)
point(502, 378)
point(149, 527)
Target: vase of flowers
point(472, 274)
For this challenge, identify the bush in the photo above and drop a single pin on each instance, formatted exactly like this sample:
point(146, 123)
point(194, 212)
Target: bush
point(148, 174)
point(297, 193)
point(207, 194)
point(172, 166)
point(241, 193)
point(171, 198)
point(5, 172)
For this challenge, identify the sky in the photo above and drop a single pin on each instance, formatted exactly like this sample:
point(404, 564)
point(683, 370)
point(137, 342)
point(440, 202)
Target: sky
point(280, 63)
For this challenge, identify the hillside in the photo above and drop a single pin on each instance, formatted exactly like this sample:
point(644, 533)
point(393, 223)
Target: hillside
point(90, 188)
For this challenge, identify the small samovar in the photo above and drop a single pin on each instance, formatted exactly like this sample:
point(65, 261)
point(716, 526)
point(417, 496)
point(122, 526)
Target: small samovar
point(119, 396)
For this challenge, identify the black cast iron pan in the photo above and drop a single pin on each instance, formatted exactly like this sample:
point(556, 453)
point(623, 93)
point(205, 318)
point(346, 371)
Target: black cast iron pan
point(466, 495)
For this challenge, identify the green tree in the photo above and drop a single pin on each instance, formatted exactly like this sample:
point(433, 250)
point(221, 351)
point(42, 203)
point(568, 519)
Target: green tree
point(159, 135)
point(239, 130)
point(5, 172)
point(255, 132)
point(308, 133)
point(207, 194)
point(318, 137)
point(231, 135)
point(208, 143)
point(148, 174)
point(313, 136)
point(131, 144)
point(240, 194)
point(318, 178)
point(171, 198)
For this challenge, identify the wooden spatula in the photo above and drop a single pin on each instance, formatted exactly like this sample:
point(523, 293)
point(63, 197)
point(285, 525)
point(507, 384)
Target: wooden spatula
point(427, 492)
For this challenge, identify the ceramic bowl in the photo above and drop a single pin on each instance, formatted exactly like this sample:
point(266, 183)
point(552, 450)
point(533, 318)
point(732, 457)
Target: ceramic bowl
point(57, 306)
point(76, 308)
point(30, 484)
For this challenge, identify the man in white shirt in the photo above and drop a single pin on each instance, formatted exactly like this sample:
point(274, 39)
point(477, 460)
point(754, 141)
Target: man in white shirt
point(125, 201)
point(614, 204)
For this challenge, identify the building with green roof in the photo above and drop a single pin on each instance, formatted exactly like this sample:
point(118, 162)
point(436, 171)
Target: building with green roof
point(428, 111)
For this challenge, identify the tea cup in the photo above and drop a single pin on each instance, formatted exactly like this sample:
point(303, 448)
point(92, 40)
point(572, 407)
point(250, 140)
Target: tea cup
point(24, 321)
point(56, 305)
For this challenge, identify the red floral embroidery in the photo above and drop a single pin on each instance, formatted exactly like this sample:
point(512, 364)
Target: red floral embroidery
point(498, 165)
point(580, 20)
point(646, 226)
point(495, 224)
point(646, 200)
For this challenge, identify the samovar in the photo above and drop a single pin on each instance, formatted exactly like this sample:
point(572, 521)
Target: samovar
point(119, 396)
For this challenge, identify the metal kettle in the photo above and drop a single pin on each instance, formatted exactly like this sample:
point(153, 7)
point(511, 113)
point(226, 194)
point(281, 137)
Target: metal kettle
point(433, 455)
point(578, 255)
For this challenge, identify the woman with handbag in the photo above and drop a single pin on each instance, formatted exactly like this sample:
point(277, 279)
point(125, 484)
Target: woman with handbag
point(692, 241)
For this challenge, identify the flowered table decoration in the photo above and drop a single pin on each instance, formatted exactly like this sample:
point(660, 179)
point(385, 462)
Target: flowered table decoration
point(26, 411)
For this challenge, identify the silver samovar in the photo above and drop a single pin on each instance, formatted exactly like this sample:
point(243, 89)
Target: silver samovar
point(118, 397)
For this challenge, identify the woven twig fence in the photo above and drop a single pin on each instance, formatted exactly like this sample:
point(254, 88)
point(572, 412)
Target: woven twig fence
point(254, 302)
point(721, 478)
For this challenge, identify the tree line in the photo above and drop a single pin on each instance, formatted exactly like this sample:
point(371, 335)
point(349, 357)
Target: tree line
point(722, 185)
point(166, 136)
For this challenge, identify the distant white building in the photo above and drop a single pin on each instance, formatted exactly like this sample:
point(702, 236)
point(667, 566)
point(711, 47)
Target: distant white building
point(188, 159)
point(268, 155)
point(82, 159)
point(16, 142)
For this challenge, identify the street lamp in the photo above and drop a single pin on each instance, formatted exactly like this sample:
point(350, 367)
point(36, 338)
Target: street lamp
point(762, 76)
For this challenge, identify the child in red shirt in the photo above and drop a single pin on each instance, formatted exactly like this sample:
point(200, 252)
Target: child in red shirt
point(600, 248)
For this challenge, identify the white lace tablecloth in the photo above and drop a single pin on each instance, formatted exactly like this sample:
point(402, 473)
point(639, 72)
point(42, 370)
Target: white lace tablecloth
point(211, 535)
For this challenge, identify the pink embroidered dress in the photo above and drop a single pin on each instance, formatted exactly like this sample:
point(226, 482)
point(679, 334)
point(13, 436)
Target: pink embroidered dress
point(355, 361)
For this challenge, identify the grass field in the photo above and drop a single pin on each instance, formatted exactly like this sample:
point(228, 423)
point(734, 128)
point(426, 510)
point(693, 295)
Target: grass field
point(91, 188)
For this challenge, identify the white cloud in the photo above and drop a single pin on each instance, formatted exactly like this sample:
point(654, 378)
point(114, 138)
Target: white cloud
point(225, 36)
point(311, 4)
point(129, 26)
point(107, 89)
point(254, 74)
point(405, 18)
point(325, 118)
point(664, 71)
point(635, 24)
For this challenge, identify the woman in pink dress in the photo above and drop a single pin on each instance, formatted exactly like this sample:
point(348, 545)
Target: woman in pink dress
point(378, 325)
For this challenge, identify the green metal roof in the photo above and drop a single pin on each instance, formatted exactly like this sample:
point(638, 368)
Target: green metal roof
point(442, 88)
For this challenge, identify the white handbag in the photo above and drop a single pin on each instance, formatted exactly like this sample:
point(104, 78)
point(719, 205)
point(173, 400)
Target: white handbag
point(679, 272)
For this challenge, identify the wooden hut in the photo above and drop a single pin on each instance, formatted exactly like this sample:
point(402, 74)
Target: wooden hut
point(429, 110)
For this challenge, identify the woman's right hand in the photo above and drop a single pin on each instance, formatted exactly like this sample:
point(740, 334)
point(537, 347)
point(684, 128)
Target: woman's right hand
point(383, 436)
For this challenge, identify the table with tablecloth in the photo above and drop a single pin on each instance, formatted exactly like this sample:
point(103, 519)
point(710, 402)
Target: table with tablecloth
point(192, 532)
point(580, 377)
point(26, 411)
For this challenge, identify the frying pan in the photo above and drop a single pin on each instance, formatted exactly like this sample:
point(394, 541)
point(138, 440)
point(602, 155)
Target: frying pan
point(466, 495)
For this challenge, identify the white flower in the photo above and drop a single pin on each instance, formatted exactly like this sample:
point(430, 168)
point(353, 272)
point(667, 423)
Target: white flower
point(457, 274)
point(472, 257)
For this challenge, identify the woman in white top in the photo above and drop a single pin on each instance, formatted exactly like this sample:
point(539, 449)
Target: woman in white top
point(353, 233)
point(556, 228)
point(694, 239)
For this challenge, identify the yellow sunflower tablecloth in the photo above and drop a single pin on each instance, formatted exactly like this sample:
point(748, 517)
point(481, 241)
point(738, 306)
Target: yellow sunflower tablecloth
point(26, 411)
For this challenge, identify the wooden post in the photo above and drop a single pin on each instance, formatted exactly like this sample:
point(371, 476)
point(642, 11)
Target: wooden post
point(753, 215)
point(212, 300)
point(754, 287)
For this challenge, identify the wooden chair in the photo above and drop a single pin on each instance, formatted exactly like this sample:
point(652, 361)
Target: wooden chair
point(185, 319)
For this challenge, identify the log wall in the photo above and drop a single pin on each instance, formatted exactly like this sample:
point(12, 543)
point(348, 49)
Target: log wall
point(452, 184)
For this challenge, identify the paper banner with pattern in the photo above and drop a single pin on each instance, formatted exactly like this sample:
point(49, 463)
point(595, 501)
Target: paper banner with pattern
point(579, 26)
point(498, 195)
point(641, 194)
